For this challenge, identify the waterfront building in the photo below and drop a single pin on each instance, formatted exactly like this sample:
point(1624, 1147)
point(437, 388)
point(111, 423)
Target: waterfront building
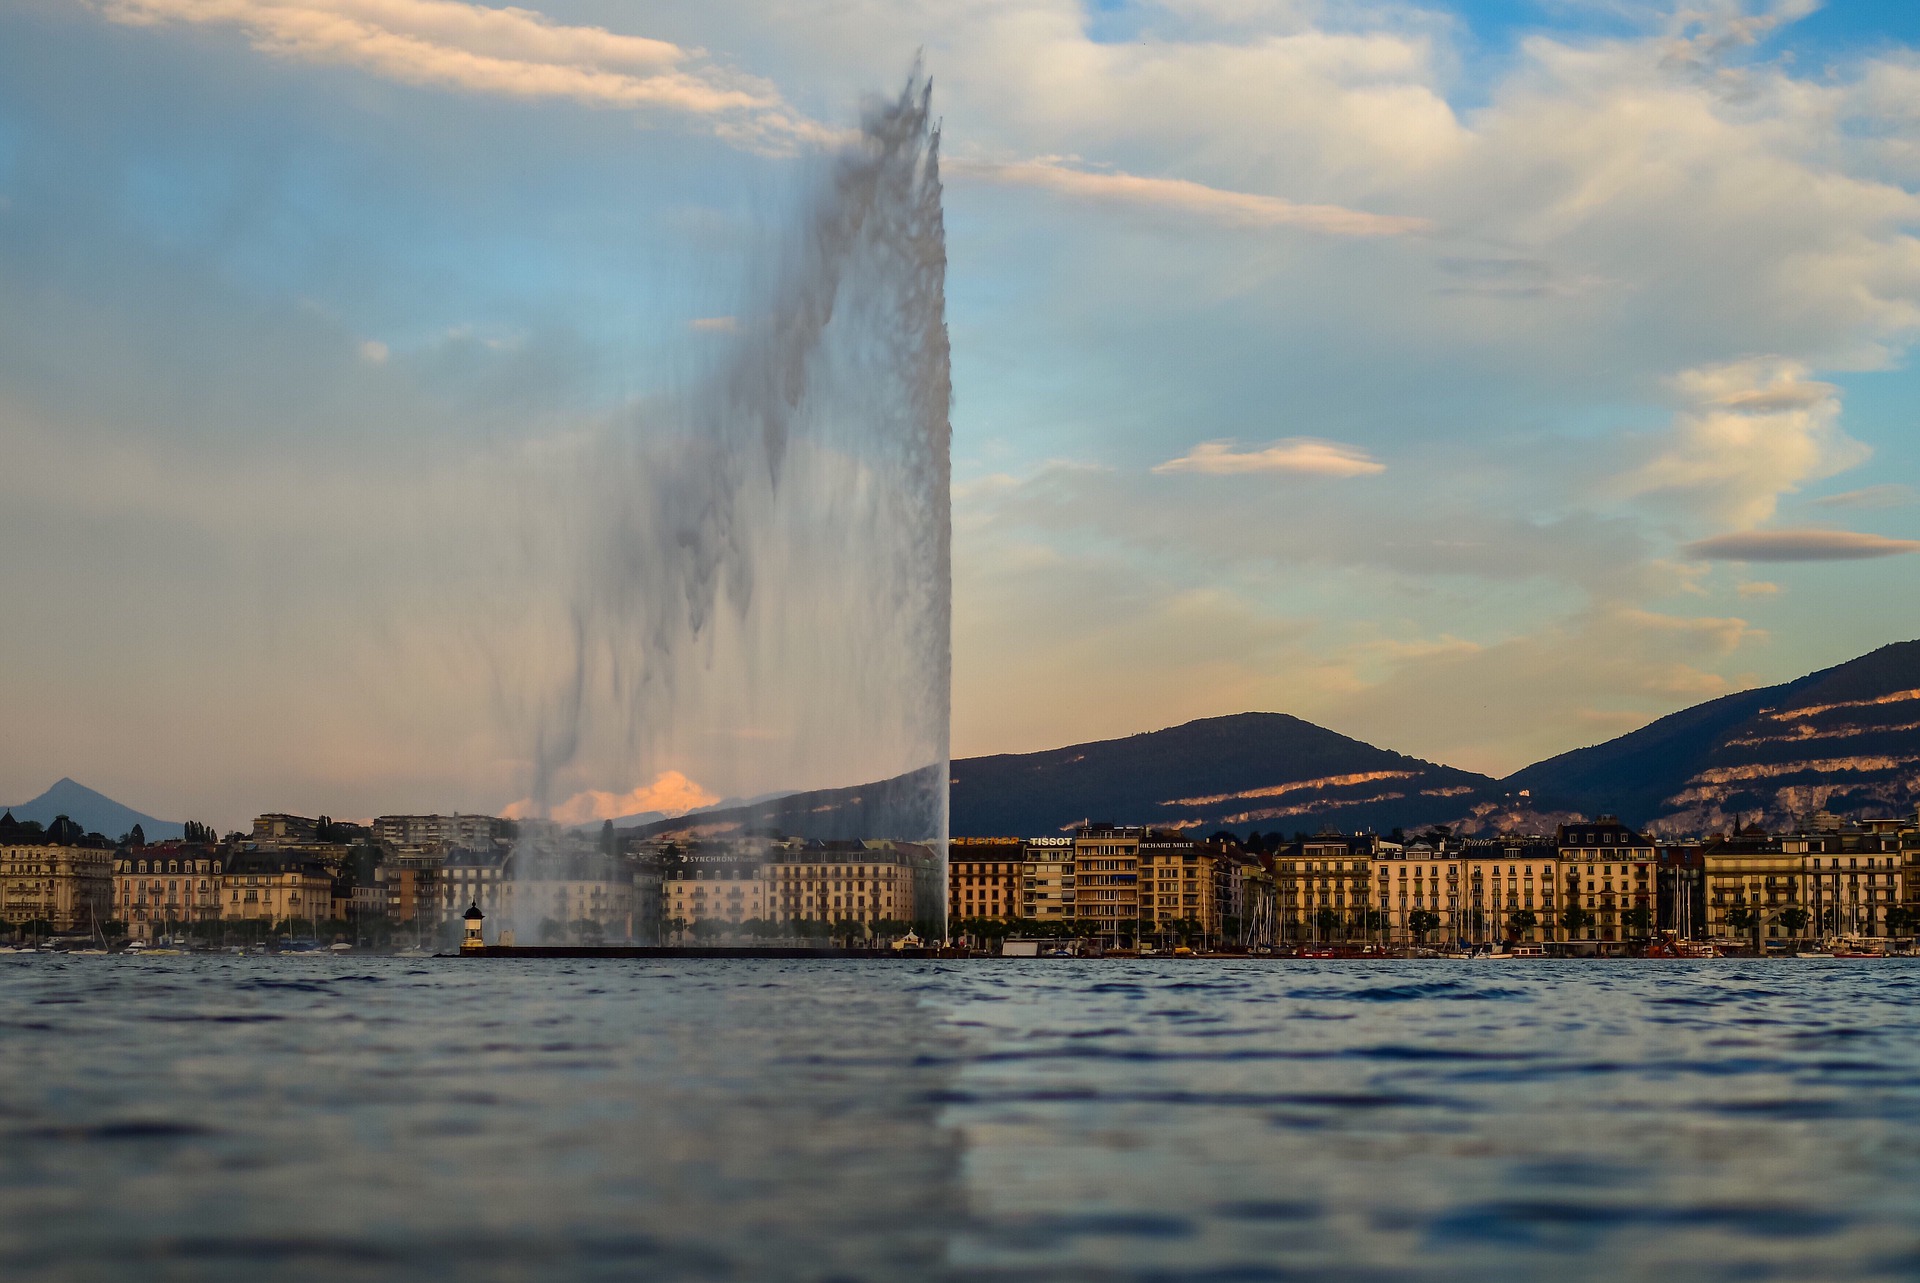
point(159, 888)
point(1416, 884)
point(723, 885)
point(1191, 888)
point(1607, 875)
point(1106, 871)
point(870, 882)
point(984, 877)
point(62, 877)
point(1324, 887)
point(274, 887)
point(1047, 887)
point(1854, 876)
point(1510, 891)
point(1755, 892)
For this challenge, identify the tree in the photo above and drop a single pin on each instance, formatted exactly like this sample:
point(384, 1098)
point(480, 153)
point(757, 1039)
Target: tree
point(1900, 920)
point(1422, 922)
point(1521, 921)
point(676, 927)
point(1576, 919)
point(1328, 920)
point(608, 840)
point(1794, 919)
point(1637, 919)
point(1743, 919)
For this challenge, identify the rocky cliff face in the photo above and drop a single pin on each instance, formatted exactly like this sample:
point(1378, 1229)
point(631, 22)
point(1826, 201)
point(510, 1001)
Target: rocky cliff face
point(1846, 740)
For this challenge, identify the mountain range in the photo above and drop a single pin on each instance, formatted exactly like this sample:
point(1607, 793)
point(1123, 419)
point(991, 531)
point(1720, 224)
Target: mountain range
point(1845, 739)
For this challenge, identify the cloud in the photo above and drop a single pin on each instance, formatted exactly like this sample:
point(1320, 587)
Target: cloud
point(511, 52)
point(1293, 454)
point(1799, 545)
point(671, 793)
point(1758, 428)
point(714, 325)
point(374, 352)
point(1180, 195)
point(1890, 495)
point(1759, 588)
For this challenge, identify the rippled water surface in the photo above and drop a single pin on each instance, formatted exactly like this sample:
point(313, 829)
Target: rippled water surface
point(364, 1118)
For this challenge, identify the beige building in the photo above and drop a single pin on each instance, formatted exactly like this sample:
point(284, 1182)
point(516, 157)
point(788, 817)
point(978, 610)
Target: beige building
point(984, 878)
point(1417, 878)
point(1323, 889)
point(1106, 873)
point(68, 887)
point(1510, 891)
point(1854, 879)
point(1047, 887)
point(716, 887)
point(865, 882)
point(1756, 892)
point(159, 888)
point(275, 887)
point(1607, 873)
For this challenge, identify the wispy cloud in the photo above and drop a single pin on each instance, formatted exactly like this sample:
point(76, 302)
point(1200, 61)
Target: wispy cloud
point(1799, 545)
point(1756, 429)
point(516, 53)
point(1890, 495)
point(1218, 204)
point(1294, 454)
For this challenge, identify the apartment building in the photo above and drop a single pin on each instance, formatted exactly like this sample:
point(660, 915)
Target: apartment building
point(1754, 890)
point(985, 878)
point(1607, 875)
point(274, 887)
point(1510, 892)
point(1048, 889)
point(1324, 887)
point(280, 830)
point(472, 831)
point(722, 886)
point(1854, 878)
point(1106, 872)
point(60, 878)
point(863, 882)
point(159, 888)
point(1416, 885)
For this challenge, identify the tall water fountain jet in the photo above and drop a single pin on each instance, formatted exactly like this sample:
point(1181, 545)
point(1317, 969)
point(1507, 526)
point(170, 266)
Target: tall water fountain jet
point(756, 573)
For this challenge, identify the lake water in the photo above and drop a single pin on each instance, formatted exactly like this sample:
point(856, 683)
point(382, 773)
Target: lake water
point(384, 1119)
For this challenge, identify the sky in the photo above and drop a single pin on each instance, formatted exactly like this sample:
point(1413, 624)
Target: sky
point(1480, 380)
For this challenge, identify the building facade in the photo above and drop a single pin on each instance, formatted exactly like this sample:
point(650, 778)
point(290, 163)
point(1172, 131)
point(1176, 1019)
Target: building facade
point(1048, 891)
point(157, 889)
point(985, 879)
point(66, 887)
point(275, 887)
point(1607, 876)
point(1106, 873)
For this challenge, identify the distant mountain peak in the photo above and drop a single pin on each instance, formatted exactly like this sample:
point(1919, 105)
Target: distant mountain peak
point(92, 810)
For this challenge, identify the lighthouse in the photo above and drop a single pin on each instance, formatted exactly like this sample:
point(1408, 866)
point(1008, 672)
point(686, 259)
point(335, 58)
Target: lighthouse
point(472, 941)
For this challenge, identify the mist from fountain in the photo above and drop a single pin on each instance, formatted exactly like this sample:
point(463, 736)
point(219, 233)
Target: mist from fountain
point(756, 570)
